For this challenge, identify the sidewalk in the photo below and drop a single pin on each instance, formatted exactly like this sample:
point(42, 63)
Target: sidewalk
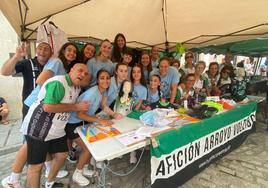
point(10, 137)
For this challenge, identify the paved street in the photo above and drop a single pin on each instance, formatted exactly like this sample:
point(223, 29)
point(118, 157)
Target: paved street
point(246, 166)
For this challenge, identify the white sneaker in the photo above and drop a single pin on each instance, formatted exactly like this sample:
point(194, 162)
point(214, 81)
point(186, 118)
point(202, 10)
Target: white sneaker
point(49, 185)
point(133, 158)
point(80, 179)
point(61, 174)
point(87, 172)
point(7, 184)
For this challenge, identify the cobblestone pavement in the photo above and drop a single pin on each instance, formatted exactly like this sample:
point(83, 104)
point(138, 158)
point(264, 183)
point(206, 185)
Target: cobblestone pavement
point(246, 166)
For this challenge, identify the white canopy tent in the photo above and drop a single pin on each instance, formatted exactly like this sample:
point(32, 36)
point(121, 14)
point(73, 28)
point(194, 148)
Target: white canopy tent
point(144, 22)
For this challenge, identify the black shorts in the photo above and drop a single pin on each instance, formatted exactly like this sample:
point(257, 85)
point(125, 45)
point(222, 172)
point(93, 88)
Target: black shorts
point(70, 130)
point(37, 150)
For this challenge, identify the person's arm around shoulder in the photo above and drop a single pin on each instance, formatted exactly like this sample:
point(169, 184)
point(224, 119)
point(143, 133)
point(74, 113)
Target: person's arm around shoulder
point(54, 94)
point(9, 66)
point(44, 75)
point(49, 71)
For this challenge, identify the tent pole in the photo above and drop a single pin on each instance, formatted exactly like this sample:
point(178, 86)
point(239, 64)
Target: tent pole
point(259, 64)
point(23, 19)
point(231, 34)
point(22, 27)
point(85, 1)
point(26, 11)
point(226, 35)
point(256, 66)
point(164, 15)
point(36, 28)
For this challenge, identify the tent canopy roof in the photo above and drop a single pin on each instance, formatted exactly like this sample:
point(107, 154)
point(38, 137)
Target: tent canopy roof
point(150, 22)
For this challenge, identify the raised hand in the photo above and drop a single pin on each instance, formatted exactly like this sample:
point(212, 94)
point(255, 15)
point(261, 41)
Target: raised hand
point(21, 50)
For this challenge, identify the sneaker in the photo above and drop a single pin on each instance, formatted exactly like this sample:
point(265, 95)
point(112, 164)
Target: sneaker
point(72, 158)
point(49, 185)
point(6, 184)
point(87, 172)
point(61, 174)
point(80, 179)
point(133, 158)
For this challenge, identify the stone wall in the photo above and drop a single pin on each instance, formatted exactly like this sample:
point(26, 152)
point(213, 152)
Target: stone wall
point(10, 87)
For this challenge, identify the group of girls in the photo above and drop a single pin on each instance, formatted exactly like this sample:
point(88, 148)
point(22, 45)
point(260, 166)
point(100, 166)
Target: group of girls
point(102, 88)
point(213, 82)
point(115, 79)
point(113, 83)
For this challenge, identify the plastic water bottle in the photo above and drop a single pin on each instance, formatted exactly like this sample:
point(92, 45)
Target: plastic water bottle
point(185, 104)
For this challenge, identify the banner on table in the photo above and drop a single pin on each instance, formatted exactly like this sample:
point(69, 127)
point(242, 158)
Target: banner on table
point(184, 152)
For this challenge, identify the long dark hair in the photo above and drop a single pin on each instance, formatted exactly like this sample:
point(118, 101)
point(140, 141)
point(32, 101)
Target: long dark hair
point(214, 63)
point(61, 56)
point(101, 71)
point(116, 68)
point(149, 67)
point(142, 81)
point(116, 54)
point(121, 92)
point(230, 68)
point(81, 57)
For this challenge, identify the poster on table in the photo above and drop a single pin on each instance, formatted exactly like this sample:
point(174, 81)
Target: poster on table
point(183, 153)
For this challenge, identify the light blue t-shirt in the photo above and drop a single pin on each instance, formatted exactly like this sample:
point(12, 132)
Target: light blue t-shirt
point(152, 97)
point(173, 77)
point(94, 97)
point(113, 91)
point(56, 66)
point(95, 65)
point(139, 93)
